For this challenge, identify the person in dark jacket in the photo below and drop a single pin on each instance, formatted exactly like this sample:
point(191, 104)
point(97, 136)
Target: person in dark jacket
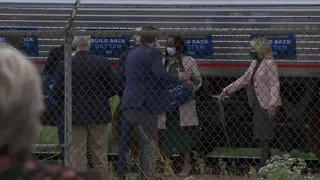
point(146, 96)
point(93, 83)
point(53, 110)
point(15, 41)
point(121, 125)
point(56, 55)
point(124, 129)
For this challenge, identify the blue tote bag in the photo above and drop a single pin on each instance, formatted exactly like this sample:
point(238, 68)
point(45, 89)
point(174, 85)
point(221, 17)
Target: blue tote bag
point(180, 95)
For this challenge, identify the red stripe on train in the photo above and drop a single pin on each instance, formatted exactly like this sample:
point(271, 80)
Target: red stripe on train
point(235, 65)
point(239, 65)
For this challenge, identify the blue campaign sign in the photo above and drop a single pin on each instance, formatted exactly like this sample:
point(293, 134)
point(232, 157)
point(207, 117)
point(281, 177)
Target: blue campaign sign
point(111, 47)
point(200, 48)
point(19, 28)
point(283, 47)
point(30, 43)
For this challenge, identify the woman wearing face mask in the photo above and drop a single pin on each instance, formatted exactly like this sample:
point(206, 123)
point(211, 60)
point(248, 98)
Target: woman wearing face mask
point(181, 125)
point(263, 89)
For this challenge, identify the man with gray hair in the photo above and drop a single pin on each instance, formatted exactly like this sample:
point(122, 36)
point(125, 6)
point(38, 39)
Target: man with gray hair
point(21, 108)
point(93, 83)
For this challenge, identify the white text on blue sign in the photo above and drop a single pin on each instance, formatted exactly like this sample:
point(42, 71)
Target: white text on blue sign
point(279, 41)
point(175, 89)
point(196, 44)
point(28, 39)
point(109, 41)
point(113, 46)
point(197, 41)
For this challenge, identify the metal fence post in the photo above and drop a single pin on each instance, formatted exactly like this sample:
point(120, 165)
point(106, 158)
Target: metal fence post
point(67, 99)
point(68, 86)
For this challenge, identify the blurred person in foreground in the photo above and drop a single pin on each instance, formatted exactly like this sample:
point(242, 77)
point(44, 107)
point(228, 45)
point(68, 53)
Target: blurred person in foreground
point(181, 134)
point(21, 108)
point(263, 89)
point(128, 138)
point(146, 96)
point(93, 83)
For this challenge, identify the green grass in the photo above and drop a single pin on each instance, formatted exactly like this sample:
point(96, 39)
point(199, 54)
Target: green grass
point(49, 135)
point(255, 152)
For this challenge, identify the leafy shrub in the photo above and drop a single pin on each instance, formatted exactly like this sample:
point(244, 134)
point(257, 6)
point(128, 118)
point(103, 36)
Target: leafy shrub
point(282, 168)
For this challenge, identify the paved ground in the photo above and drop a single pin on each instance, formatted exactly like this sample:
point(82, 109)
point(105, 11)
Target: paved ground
point(195, 177)
point(198, 177)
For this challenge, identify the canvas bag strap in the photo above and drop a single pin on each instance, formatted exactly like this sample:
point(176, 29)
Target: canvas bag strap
point(180, 64)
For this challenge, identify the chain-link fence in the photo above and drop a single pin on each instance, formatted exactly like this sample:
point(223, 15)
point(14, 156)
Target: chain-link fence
point(235, 105)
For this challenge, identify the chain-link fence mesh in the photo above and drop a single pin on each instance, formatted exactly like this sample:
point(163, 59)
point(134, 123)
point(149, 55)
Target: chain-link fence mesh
point(227, 87)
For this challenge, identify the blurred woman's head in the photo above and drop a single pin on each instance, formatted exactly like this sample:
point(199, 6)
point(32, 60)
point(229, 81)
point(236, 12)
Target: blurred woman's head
point(260, 49)
point(176, 46)
point(21, 103)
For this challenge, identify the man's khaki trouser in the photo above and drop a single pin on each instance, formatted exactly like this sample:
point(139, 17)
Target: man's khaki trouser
point(96, 138)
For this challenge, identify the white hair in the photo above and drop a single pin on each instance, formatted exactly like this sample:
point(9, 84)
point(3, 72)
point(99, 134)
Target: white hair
point(82, 40)
point(137, 38)
point(21, 101)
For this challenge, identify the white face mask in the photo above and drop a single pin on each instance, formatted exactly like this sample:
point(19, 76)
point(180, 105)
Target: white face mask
point(171, 51)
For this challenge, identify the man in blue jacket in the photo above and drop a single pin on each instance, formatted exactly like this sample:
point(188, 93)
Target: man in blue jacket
point(93, 83)
point(127, 128)
point(146, 96)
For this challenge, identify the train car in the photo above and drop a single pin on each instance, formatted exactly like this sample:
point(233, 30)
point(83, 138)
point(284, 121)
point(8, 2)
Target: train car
point(218, 35)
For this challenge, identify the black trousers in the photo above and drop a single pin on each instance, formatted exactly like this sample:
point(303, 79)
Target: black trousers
point(265, 152)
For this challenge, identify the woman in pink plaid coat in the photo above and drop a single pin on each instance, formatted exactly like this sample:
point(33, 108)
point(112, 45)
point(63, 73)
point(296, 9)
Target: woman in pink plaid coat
point(263, 90)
